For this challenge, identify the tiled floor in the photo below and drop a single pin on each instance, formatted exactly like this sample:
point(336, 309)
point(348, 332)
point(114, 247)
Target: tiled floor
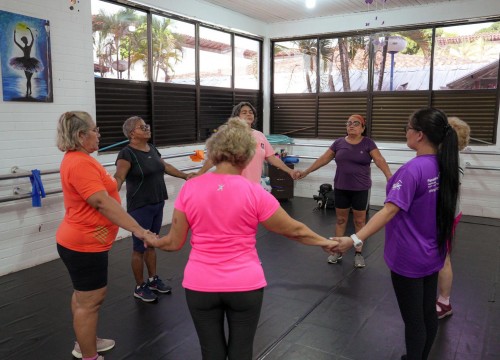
point(312, 310)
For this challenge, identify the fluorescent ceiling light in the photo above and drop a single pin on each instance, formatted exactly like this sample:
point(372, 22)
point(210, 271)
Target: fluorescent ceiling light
point(310, 4)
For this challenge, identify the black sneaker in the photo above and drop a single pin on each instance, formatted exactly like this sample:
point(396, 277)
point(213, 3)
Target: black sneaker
point(144, 293)
point(158, 285)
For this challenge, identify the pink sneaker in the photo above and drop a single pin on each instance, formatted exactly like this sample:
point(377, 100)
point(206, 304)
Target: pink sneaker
point(444, 310)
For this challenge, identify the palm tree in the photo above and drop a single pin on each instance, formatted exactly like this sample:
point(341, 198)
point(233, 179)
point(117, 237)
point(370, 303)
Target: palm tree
point(167, 48)
point(309, 50)
point(344, 63)
point(115, 26)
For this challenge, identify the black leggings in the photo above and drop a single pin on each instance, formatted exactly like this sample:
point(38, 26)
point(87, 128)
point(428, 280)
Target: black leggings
point(242, 310)
point(417, 303)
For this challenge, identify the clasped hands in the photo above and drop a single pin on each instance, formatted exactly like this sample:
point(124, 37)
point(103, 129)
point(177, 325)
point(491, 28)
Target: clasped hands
point(338, 244)
point(149, 238)
point(297, 174)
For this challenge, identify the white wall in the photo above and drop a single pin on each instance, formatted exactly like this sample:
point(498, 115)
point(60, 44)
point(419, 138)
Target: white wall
point(26, 233)
point(480, 188)
point(423, 14)
point(28, 141)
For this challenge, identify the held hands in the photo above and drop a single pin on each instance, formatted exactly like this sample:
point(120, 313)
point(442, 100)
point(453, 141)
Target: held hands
point(331, 247)
point(344, 243)
point(191, 175)
point(295, 174)
point(151, 240)
point(148, 237)
point(302, 174)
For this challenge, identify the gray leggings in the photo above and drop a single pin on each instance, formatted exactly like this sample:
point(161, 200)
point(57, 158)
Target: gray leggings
point(208, 310)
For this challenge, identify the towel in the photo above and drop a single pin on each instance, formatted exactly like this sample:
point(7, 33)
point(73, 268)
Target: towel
point(37, 190)
point(198, 156)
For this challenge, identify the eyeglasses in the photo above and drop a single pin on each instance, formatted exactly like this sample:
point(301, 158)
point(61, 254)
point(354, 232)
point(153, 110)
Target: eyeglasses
point(353, 123)
point(408, 127)
point(143, 127)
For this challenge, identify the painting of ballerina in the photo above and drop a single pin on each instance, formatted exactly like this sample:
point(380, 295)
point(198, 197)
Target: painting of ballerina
point(25, 57)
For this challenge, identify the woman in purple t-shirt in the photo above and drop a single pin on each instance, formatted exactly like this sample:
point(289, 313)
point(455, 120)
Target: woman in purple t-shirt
point(353, 155)
point(418, 216)
point(223, 276)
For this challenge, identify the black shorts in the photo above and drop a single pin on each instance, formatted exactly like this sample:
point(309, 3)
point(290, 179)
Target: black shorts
point(346, 199)
point(88, 271)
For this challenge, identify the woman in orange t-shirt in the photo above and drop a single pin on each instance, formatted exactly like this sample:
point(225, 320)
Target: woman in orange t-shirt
point(90, 224)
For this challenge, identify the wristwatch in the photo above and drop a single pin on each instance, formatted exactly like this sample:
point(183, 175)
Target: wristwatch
point(357, 241)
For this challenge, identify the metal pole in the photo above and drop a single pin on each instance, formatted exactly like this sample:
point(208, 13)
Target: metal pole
point(392, 68)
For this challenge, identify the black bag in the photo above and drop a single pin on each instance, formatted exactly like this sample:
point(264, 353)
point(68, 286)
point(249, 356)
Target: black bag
point(325, 197)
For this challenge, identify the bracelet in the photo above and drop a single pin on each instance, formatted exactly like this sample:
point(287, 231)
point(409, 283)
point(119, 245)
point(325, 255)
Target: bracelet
point(357, 241)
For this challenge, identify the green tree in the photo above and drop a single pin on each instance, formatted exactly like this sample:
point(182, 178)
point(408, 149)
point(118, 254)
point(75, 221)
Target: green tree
point(493, 28)
point(114, 27)
point(167, 48)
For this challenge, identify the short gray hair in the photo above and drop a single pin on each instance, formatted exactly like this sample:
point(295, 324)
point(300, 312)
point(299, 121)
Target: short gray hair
point(69, 127)
point(233, 142)
point(130, 124)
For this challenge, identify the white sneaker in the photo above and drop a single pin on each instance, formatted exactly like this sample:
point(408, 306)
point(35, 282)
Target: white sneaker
point(333, 259)
point(102, 346)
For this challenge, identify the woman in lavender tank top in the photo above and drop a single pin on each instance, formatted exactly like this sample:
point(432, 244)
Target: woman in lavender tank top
point(418, 216)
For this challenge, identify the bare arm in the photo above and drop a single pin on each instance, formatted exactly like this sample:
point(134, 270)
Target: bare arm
point(32, 37)
point(122, 169)
point(324, 159)
point(15, 41)
point(377, 222)
point(173, 171)
point(114, 212)
point(176, 237)
point(281, 223)
point(379, 160)
point(206, 166)
point(275, 161)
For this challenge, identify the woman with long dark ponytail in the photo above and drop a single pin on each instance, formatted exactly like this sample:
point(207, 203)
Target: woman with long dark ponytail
point(418, 214)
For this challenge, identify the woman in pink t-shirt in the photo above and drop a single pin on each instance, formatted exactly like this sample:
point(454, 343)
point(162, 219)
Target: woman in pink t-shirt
point(223, 276)
point(263, 149)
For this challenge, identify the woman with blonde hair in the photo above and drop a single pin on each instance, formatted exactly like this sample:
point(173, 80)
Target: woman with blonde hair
point(223, 277)
point(89, 228)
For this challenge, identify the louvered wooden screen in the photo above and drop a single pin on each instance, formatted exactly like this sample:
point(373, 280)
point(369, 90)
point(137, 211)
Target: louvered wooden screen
point(294, 115)
point(387, 113)
point(174, 114)
point(390, 113)
point(117, 100)
point(215, 108)
point(335, 110)
point(477, 108)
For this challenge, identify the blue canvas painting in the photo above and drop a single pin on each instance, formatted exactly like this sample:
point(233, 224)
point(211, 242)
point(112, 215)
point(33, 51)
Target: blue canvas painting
point(25, 58)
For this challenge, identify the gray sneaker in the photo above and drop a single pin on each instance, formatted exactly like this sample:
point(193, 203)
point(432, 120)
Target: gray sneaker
point(359, 261)
point(333, 259)
point(102, 346)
